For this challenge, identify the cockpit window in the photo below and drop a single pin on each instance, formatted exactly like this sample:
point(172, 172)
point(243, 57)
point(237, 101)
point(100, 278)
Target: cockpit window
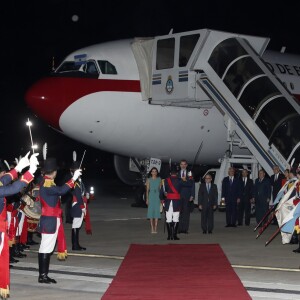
point(68, 66)
point(87, 69)
point(90, 68)
point(107, 68)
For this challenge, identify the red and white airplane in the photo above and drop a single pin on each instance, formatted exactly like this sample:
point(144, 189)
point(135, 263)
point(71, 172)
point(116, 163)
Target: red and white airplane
point(142, 98)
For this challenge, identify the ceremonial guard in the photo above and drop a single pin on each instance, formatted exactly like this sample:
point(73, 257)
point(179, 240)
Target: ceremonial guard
point(79, 207)
point(171, 199)
point(7, 189)
point(296, 202)
point(51, 225)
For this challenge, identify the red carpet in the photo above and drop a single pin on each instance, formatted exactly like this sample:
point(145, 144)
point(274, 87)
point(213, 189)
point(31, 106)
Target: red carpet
point(175, 272)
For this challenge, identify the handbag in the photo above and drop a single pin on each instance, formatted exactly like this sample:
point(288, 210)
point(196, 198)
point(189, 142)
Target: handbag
point(161, 208)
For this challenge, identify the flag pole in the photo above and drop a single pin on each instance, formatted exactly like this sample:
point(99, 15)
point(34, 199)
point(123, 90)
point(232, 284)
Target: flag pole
point(273, 236)
point(264, 217)
point(262, 229)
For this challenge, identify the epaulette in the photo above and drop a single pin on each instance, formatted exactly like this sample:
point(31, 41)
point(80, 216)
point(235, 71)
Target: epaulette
point(76, 183)
point(49, 183)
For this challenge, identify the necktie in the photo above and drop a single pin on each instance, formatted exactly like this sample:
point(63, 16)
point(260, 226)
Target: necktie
point(276, 177)
point(244, 181)
point(231, 180)
point(208, 187)
point(183, 173)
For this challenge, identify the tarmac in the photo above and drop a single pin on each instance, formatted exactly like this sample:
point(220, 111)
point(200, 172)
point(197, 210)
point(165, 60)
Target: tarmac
point(266, 272)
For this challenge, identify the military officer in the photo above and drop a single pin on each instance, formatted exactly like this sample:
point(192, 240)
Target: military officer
point(78, 210)
point(51, 225)
point(7, 189)
point(171, 189)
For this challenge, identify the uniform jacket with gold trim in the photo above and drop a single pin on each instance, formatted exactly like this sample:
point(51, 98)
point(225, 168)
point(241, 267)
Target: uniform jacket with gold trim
point(50, 193)
point(77, 192)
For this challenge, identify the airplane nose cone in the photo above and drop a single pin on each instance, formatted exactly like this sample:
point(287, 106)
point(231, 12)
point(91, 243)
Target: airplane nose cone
point(45, 98)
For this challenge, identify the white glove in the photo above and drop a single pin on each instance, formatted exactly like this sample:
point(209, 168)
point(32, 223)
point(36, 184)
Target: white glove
point(77, 173)
point(189, 174)
point(23, 163)
point(87, 196)
point(33, 163)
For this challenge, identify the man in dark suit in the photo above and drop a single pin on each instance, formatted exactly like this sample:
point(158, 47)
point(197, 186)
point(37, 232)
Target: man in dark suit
point(187, 196)
point(262, 195)
point(276, 181)
point(244, 207)
point(231, 195)
point(208, 201)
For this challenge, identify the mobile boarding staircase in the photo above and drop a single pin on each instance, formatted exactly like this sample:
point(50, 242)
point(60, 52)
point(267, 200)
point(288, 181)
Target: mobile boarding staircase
point(229, 69)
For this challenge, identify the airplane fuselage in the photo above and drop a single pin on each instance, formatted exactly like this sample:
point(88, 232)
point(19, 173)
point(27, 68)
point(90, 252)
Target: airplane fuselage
point(109, 113)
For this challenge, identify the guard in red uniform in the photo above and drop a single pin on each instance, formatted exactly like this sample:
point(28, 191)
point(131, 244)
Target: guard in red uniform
point(7, 189)
point(79, 208)
point(51, 225)
point(171, 199)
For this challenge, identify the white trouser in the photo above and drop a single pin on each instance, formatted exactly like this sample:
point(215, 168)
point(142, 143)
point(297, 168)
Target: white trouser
point(48, 240)
point(1, 242)
point(77, 222)
point(8, 215)
point(21, 223)
point(172, 215)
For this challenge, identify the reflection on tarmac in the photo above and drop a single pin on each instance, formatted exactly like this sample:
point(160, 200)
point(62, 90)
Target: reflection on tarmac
point(266, 272)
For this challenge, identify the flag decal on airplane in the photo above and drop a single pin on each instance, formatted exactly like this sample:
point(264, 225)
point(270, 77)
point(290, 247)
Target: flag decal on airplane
point(80, 59)
point(156, 79)
point(183, 76)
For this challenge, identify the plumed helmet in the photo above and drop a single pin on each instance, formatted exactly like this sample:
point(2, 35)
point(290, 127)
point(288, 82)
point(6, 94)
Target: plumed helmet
point(293, 171)
point(3, 166)
point(50, 165)
point(173, 169)
point(75, 165)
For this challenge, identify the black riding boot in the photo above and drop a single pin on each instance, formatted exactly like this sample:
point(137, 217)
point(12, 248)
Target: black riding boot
point(17, 252)
point(77, 236)
point(44, 261)
point(169, 231)
point(75, 245)
point(11, 256)
point(298, 249)
point(30, 240)
point(175, 229)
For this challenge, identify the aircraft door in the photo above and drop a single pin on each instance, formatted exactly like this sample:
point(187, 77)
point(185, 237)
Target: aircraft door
point(171, 78)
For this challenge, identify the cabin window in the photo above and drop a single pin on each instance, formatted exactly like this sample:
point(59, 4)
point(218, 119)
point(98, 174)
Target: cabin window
point(187, 46)
point(107, 68)
point(165, 54)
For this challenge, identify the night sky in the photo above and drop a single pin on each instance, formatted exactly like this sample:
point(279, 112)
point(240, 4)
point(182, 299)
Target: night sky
point(34, 31)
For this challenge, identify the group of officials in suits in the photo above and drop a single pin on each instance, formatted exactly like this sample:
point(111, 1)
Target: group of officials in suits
point(239, 193)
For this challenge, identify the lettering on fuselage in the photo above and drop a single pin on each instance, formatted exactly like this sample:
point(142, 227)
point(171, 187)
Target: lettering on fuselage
point(284, 69)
